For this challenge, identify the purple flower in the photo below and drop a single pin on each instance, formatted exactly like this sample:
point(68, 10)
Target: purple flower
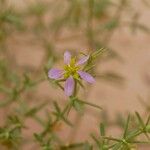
point(71, 72)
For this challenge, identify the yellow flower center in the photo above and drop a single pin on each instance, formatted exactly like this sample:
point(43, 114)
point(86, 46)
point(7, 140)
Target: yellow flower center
point(72, 69)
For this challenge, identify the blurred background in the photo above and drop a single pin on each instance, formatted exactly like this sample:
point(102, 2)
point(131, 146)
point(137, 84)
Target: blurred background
point(33, 38)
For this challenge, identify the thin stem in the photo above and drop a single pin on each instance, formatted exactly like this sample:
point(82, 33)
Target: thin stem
point(75, 89)
point(90, 104)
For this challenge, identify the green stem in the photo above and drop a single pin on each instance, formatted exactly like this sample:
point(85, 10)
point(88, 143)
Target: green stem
point(75, 89)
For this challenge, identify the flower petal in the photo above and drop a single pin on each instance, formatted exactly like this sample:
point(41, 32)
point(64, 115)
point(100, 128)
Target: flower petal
point(86, 76)
point(55, 73)
point(67, 57)
point(69, 86)
point(83, 60)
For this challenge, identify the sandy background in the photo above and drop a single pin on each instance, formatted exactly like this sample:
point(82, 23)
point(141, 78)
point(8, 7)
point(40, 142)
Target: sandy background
point(134, 68)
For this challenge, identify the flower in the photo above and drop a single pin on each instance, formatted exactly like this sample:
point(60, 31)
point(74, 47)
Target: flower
point(71, 72)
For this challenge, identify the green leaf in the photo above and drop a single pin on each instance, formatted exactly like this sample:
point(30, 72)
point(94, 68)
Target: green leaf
point(112, 24)
point(79, 106)
point(102, 129)
point(140, 120)
point(126, 127)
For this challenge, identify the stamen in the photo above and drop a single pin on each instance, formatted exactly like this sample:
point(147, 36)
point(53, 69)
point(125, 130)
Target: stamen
point(71, 69)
